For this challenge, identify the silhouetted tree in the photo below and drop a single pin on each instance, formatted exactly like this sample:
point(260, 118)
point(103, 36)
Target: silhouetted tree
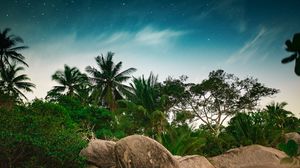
point(9, 49)
point(13, 84)
point(109, 80)
point(69, 79)
point(294, 47)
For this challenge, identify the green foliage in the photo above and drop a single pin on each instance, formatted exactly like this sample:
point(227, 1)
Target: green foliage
point(132, 118)
point(92, 118)
point(251, 128)
point(182, 141)
point(290, 148)
point(39, 135)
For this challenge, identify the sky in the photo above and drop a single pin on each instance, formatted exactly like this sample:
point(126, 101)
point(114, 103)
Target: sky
point(166, 37)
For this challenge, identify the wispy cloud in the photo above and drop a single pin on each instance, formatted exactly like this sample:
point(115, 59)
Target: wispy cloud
point(146, 36)
point(151, 36)
point(259, 45)
point(248, 50)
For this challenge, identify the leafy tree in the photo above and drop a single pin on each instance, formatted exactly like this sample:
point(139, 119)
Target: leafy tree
point(98, 121)
point(281, 118)
point(222, 95)
point(109, 79)
point(131, 118)
point(294, 47)
point(39, 135)
point(253, 128)
point(13, 84)
point(174, 92)
point(9, 51)
point(70, 80)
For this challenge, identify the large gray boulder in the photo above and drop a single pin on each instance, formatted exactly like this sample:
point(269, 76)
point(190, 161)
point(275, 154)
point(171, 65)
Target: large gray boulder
point(138, 151)
point(194, 161)
point(100, 153)
point(253, 156)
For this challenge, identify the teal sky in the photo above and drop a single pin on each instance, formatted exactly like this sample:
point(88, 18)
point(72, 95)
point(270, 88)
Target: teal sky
point(191, 37)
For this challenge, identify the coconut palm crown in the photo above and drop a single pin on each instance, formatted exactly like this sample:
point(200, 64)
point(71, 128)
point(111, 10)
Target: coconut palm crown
point(9, 51)
point(109, 79)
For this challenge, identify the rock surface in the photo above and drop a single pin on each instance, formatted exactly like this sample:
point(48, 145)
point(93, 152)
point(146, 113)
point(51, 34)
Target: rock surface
point(100, 153)
point(292, 135)
point(194, 161)
point(138, 151)
point(254, 156)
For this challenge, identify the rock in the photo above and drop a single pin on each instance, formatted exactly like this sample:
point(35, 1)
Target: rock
point(100, 153)
point(254, 156)
point(138, 151)
point(292, 135)
point(194, 161)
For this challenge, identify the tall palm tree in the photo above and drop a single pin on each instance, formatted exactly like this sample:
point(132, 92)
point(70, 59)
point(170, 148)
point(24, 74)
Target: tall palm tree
point(13, 84)
point(69, 80)
point(294, 47)
point(109, 79)
point(145, 93)
point(9, 51)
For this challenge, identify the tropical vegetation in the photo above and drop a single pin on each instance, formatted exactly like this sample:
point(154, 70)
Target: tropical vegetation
point(206, 118)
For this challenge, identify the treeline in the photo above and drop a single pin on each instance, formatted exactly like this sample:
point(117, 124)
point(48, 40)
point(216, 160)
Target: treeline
point(187, 118)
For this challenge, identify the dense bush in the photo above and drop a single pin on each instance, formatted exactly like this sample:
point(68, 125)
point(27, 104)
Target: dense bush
point(39, 135)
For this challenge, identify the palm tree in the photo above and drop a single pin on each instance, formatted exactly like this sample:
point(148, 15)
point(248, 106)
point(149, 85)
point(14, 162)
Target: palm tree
point(294, 47)
point(109, 80)
point(278, 115)
point(69, 79)
point(145, 93)
point(13, 84)
point(9, 50)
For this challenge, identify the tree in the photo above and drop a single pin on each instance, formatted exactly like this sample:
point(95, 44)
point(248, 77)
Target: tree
point(146, 93)
point(70, 79)
point(294, 47)
point(9, 49)
point(222, 95)
point(13, 84)
point(40, 134)
point(109, 80)
point(281, 118)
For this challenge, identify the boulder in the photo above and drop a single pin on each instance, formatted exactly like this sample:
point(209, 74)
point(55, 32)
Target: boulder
point(194, 161)
point(253, 156)
point(100, 153)
point(292, 135)
point(138, 151)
